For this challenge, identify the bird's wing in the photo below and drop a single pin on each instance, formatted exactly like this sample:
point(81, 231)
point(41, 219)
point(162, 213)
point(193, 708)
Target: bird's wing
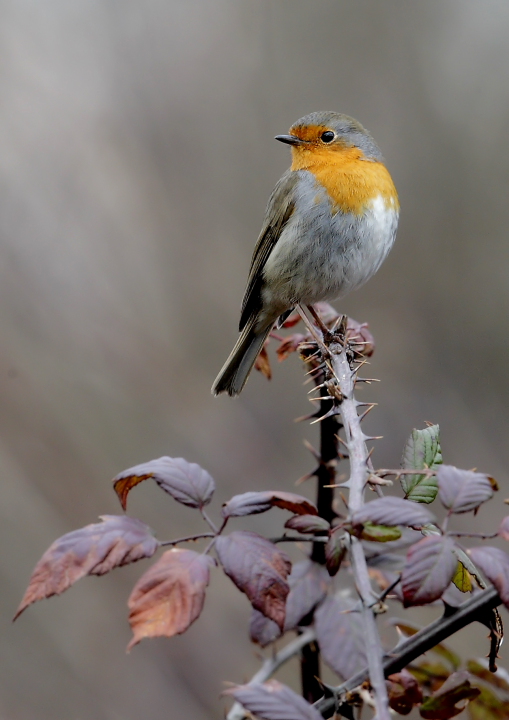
point(279, 210)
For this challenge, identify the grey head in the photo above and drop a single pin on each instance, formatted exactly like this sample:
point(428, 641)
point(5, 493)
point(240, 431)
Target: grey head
point(332, 128)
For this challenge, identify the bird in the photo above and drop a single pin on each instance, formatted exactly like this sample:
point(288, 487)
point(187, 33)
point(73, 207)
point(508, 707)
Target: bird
point(329, 224)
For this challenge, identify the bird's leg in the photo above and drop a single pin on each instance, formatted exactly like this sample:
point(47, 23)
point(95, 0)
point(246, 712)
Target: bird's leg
point(318, 320)
point(316, 332)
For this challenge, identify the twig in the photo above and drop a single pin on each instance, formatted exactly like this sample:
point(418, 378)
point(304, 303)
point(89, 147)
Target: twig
point(209, 522)
point(270, 666)
point(359, 457)
point(188, 538)
point(426, 639)
point(297, 538)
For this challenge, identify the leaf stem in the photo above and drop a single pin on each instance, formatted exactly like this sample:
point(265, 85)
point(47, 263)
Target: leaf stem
point(296, 538)
point(188, 538)
point(209, 522)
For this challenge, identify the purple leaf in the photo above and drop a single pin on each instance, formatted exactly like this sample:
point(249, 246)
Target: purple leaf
point(252, 503)
point(429, 568)
point(273, 701)
point(503, 530)
point(340, 635)
point(262, 630)
point(188, 483)
point(308, 585)
point(392, 511)
point(307, 524)
point(462, 490)
point(259, 569)
point(494, 565)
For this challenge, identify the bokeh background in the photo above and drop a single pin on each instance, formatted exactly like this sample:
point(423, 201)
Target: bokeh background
point(136, 158)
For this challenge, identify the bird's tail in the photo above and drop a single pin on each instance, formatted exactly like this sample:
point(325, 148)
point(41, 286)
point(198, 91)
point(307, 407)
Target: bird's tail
point(235, 371)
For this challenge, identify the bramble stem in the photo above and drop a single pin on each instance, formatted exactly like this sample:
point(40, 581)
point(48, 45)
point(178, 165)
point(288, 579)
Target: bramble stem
point(359, 472)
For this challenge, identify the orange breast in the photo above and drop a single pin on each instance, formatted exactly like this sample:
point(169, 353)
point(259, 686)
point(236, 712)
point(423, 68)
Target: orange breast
point(350, 181)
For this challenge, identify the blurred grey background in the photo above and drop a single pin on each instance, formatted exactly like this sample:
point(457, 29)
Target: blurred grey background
point(136, 158)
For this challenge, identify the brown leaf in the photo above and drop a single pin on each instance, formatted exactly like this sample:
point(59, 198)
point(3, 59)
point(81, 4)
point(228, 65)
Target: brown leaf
point(340, 635)
point(262, 630)
point(307, 524)
point(92, 550)
point(488, 706)
point(290, 345)
point(188, 483)
point(335, 551)
point(273, 701)
point(292, 320)
point(404, 692)
point(262, 362)
point(494, 565)
point(443, 704)
point(461, 491)
point(360, 337)
point(259, 569)
point(252, 503)
point(429, 567)
point(169, 597)
point(308, 582)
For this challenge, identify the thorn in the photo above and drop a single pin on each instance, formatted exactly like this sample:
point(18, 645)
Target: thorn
point(370, 453)
point(304, 478)
point(318, 387)
point(363, 362)
point(332, 411)
point(309, 358)
point(312, 450)
point(305, 417)
point(361, 417)
point(343, 442)
point(367, 380)
point(343, 498)
point(373, 437)
point(316, 369)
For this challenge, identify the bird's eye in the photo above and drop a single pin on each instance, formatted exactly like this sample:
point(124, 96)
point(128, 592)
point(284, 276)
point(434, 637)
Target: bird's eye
point(327, 137)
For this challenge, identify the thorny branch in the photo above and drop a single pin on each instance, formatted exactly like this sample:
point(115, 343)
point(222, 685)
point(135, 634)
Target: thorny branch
point(405, 652)
point(342, 387)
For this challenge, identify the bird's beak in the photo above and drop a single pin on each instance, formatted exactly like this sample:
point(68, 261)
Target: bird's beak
point(289, 139)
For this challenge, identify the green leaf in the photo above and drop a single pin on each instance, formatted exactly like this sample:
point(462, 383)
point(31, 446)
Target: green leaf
point(380, 533)
point(462, 579)
point(422, 451)
point(443, 704)
point(488, 706)
point(480, 670)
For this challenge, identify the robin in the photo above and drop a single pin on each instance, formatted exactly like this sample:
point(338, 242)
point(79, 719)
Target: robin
point(329, 224)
